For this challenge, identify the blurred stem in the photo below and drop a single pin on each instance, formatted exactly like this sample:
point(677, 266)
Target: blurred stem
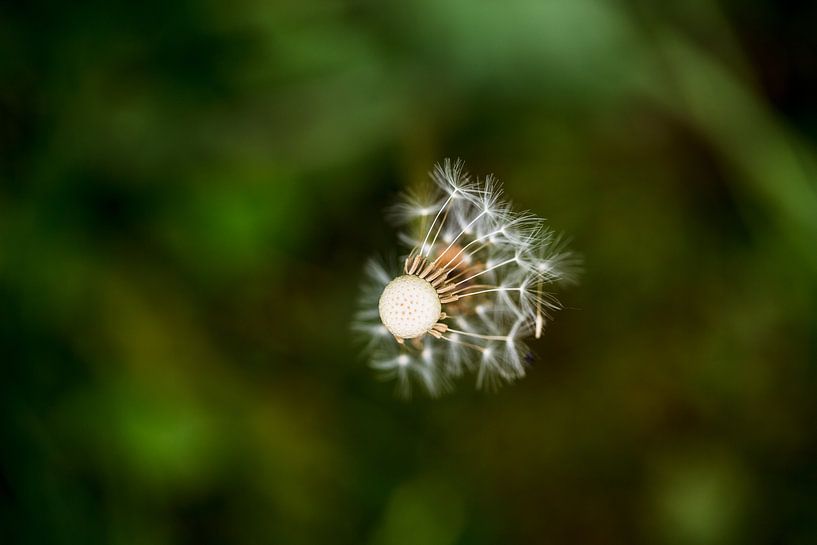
point(774, 167)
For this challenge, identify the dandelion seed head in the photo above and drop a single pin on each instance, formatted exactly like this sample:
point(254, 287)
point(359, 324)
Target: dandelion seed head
point(475, 283)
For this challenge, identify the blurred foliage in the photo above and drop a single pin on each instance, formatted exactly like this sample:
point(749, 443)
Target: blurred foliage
point(189, 190)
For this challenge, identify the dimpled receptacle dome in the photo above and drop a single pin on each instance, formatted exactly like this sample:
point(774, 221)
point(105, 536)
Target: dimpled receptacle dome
point(409, 306)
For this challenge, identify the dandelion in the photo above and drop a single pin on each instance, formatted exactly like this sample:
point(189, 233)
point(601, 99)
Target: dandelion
point(476, 283)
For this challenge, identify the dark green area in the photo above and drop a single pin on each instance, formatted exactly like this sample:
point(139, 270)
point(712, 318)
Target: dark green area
point(189, 190)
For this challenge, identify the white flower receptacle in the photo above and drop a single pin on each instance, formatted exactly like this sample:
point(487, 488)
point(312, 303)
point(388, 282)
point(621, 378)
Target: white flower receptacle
point(409, 306)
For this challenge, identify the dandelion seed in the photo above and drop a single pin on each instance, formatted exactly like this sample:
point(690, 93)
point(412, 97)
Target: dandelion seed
point(474, 285)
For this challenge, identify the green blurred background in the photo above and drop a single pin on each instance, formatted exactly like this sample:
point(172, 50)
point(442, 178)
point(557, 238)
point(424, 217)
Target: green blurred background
point(189, 190)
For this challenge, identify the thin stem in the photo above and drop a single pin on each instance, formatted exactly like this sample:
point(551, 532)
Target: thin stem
point(463, 343)
point(439, 229)
point(466, 269)
point(477, 335)
point(461, 233)
point(472, 287)
point(483, 237)
point(462, 272)
point(539, 317)
point(489, 269)
point(440, 211)
point(487, 291)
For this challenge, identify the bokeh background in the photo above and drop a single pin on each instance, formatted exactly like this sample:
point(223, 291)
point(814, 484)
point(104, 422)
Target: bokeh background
point(189, 190)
